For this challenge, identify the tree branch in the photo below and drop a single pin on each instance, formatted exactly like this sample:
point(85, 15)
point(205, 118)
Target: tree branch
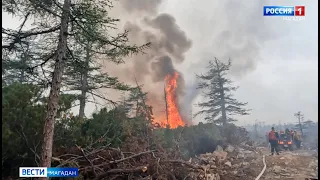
point(120, 171)
point(18, 36)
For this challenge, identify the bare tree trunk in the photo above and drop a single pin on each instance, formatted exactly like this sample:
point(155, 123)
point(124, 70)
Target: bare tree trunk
point(147, 112)
point(22, 75)
point(223, 104)
point(165, 101)
point(84, 83)
point(137, 107)
point(23, 68)
point(52, 107)
point(222, 95)
point(82, 103)
point(300, 124)
point(300, 116)
point(223, 111)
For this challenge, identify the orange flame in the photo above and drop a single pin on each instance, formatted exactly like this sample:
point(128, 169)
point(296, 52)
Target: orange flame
point(174, 118)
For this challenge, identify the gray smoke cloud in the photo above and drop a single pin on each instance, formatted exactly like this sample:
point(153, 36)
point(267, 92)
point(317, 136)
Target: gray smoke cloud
point(169, 44)
point(167, 40)
point(161, 67)
point(236, 30)
point(224, 29)
point(238, 35)
point(145, 6)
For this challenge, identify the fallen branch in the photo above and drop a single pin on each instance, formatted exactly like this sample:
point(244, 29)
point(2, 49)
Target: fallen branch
point(92, 166)
point(130, 157)
point(117, 161)
point(111, 163)
point(185, 163)
point(139, 169)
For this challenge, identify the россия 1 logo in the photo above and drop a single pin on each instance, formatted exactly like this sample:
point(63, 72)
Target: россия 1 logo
point(283, 11)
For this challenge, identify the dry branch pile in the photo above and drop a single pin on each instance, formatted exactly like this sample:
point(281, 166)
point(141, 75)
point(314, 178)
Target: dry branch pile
point(135, 161)
point(130, 162)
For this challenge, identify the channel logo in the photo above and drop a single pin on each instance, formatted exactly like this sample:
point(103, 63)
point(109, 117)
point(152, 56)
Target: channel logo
point(283, 11)
point(48, 172)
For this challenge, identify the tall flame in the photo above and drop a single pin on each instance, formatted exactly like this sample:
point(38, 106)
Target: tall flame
point(174, 119)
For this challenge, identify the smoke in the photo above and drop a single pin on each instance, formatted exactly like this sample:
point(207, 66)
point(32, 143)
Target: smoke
point(169, 44)
point(224, 29)
point(161, 67)
point(235, 30)
point(143, 6)
point(237, 35)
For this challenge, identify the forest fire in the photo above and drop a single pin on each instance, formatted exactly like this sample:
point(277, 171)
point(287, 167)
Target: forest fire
point(173, 118)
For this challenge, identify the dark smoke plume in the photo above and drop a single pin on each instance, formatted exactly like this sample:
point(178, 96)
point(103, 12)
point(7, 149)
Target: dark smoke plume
point(168, 45)
point(161, 67)
point(176, 42)
point(167, 42)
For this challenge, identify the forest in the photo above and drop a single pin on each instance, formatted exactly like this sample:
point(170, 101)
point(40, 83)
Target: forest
point(58, 65)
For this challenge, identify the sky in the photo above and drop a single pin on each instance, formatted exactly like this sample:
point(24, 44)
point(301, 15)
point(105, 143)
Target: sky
point(275, 61)
point(284, 78)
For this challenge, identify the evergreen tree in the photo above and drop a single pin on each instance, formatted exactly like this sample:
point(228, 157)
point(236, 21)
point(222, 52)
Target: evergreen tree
point(217, 90)
point(141, 111)
point(61, 28)
point(84, 74)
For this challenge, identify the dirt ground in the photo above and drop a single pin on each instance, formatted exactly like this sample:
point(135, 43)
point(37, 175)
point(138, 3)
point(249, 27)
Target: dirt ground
point(295, 165)
point(246, 164)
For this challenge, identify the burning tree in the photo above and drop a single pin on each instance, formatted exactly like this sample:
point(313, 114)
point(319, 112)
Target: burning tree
point(217, 90)
point(174, 119)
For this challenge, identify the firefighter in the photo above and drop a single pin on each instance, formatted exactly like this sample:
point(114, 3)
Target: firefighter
point(287, 132)
point(273, 140)
point(292, 135)
point(297, 139)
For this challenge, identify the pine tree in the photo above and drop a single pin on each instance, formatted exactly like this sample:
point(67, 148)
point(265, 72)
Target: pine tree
point(92, 46)
point(217, 90)
point(84, 74)
point(136, 108)
point(61, 28)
